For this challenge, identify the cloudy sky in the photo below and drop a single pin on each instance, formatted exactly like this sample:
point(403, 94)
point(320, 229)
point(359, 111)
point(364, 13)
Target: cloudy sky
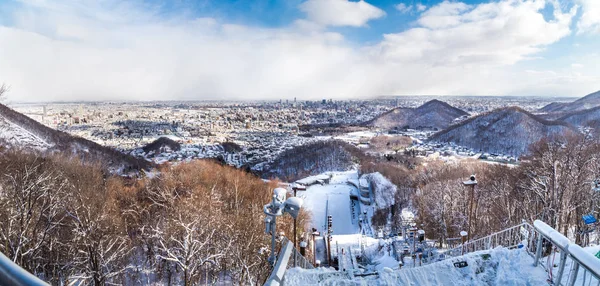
point(311, 49)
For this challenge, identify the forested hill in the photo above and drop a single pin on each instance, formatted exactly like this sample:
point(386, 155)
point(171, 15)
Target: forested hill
point(589, 101)
point(584, 118)
point(313, 159)
point(509, 130)
point(21, 132)
point(432, 114)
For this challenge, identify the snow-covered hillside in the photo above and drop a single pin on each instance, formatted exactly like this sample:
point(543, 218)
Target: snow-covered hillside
point(16, 136)
point(21, 132)
point(433, 114)
point(585, 118)
point(507, 131)
point(589, 101)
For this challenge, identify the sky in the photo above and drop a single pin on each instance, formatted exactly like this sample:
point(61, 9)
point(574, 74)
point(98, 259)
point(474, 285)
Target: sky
point(71, 50)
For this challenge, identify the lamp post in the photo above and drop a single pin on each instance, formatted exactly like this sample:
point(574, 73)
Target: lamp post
point(278, 207)
point(295, 188)
point(472, 182)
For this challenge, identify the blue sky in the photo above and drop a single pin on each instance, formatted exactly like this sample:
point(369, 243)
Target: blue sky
point(266, 49)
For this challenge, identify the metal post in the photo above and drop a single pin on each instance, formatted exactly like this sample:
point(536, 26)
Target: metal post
point(470, 211)
point(272, 256)
point(414, 242)
point(329, 250)
point(538, 250)
point(295, 234)
point(314, 250)
point(561, 266)
point(574, 272)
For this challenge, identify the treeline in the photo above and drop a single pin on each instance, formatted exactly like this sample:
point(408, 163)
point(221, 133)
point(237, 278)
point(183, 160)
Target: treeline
point(312, 159)
point(194, 223)
point(554, 184)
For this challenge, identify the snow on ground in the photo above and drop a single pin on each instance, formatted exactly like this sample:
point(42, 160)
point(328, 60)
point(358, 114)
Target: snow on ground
point(357, 137)
point(312, 179)
point(383, 190)
point(334, 200)
point(18, 136)
point(502, 267)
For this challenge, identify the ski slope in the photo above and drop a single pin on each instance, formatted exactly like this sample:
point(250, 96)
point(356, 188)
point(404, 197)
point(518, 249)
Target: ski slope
point(331, 199)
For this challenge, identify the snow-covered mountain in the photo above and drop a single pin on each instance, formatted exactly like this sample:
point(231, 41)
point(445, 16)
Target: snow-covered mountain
point(507, 130)
point(586, 118)
point(589, 101)
point(21, 132)
point(432, 114)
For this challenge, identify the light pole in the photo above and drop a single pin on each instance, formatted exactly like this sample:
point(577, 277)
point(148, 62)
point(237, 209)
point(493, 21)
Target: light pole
point(278, 207)
point(471, 182)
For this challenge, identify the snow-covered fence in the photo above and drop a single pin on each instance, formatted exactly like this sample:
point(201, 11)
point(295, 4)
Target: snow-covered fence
point(285, 260)
point(513, 237)
point(13, 274)
point(575, 265)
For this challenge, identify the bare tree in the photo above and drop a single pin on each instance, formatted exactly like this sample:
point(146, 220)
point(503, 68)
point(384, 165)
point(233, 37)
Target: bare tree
point(189, 240)
point(31, 212)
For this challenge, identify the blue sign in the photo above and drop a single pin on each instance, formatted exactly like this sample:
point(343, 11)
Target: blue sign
point(589, 219)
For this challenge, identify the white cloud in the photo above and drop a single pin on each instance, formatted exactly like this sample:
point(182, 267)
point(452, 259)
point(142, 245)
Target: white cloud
point(590, 17)
point(69, 51)
point(403, 8)
point(149, 58)
point(497, 33)
point(576, 65)
point(341, 12)
point(420, 7)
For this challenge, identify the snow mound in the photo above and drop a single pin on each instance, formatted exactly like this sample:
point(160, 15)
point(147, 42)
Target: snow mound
point(383, 190)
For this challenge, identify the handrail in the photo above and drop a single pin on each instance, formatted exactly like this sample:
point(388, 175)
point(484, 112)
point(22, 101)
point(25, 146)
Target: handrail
point(579, 257)
point(509, 237)
point(283, 262)
point(13, 274)
point(576, 266)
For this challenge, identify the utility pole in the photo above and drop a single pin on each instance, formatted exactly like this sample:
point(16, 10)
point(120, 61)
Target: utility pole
point(472, 182)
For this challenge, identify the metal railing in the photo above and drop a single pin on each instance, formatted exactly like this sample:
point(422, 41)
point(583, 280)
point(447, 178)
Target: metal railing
point(13, 274)
point(574, 266)
point(565, 263)
point(285, 261)
point(513, 237)
point(297, 259)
